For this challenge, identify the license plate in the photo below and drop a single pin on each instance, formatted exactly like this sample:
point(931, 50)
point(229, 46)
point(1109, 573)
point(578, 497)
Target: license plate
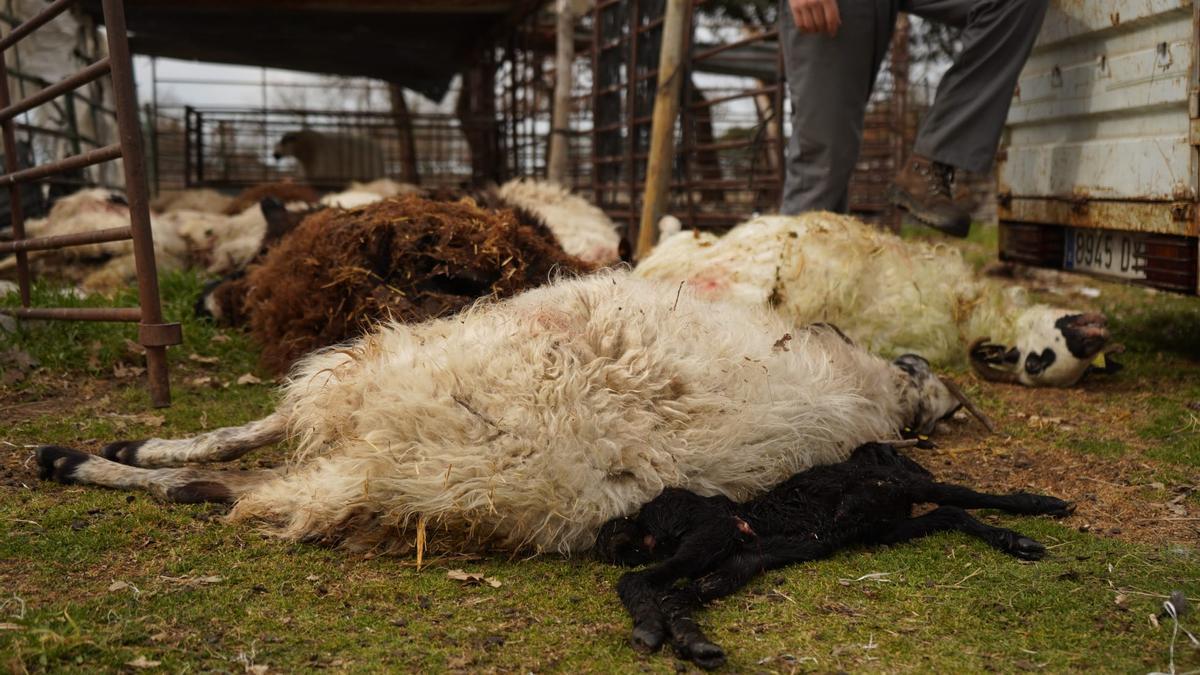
point(1107, 252)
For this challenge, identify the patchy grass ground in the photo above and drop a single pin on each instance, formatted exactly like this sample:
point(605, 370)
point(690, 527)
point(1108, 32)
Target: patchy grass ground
point(99, 580)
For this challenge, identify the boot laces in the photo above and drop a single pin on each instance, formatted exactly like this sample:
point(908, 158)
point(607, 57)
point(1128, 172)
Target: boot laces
point(941, 177)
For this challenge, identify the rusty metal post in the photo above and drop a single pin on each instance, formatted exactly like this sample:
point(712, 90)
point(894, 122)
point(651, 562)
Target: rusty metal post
point(153, 333)
point(900, 138)
point(11, 166)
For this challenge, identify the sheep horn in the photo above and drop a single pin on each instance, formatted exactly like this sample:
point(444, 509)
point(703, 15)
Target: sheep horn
point(985, 369)
point(971, 407)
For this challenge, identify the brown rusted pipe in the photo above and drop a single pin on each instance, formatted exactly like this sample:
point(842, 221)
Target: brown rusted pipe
point(34, 22)
point(14, 193)
point(75, 313)
point(92, 72)
point(64, 240)
point(137, 194)
point(104, 154)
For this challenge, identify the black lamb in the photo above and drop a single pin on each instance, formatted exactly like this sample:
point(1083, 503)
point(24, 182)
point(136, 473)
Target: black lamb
point(720, 545)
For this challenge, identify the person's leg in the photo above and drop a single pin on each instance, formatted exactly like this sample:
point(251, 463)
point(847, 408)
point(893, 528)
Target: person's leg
point(830, 81)
point(963, 127)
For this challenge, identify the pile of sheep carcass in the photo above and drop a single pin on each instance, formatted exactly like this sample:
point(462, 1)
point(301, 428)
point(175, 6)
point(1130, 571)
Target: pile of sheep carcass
point(221, 234)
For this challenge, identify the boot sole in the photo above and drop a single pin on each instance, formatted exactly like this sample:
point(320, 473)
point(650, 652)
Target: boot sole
point(904, 202)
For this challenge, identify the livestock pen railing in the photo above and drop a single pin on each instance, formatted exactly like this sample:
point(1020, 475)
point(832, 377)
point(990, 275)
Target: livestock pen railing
point(235, 147)
point(734, 117)
point(153, 333)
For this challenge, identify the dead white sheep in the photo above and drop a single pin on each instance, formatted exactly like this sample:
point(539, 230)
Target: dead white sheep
point(583, 229)
point(528, 423)
point(890, 295)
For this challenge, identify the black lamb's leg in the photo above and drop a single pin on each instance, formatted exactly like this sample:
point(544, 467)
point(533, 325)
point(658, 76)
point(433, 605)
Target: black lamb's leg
point(689, 641)
point(639, 599)
point(1022, 503)
point(946, 518)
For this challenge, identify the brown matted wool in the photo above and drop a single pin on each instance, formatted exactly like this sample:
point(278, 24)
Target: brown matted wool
point(406, 258)
point(284, 191)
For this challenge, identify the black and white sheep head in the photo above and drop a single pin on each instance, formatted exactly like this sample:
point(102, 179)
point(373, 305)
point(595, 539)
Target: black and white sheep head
point(1055, 348)
point(927, 398)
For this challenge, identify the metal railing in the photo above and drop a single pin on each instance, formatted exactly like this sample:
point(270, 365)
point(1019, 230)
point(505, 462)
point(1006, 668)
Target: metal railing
point(153, 333)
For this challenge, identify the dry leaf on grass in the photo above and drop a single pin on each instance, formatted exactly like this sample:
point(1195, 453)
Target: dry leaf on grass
point(143, 662)
point(473, 578)
point(9, 626)
point(220, 337)
point(123, 372)
point(193, 581)
point(208, 360)
point(117, 586)
point(248, 379)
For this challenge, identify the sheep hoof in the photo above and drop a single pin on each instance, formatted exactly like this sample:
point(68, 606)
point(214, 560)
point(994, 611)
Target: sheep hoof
point(58, 464)
point(1027, 549)
point(647, 637)
point(122, 452)
point(706, 655)
point(1043, 505)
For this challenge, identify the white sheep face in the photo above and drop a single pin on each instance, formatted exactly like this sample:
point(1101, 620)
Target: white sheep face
point(1054, 348)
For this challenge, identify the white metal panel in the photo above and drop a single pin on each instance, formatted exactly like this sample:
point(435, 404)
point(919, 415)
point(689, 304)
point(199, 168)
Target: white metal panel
point(1102, 106)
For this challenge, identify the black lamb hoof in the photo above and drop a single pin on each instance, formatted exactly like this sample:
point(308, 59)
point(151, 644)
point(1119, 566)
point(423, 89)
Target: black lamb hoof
point(704, 654)
point(647, 637)
point(1027, 549)
point(58, 463)
point(122, 452)
point(1043, 505)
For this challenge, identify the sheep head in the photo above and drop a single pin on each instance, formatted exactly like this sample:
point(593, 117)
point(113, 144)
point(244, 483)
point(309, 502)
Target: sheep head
point(930, 398)
point(1055, 348)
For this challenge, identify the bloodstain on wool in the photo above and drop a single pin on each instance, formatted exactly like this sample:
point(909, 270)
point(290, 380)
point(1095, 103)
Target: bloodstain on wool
point(284, 191)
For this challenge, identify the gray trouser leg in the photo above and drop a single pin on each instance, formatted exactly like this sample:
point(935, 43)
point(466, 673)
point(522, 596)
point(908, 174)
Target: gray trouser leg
point(963, 127)
point(830, 81)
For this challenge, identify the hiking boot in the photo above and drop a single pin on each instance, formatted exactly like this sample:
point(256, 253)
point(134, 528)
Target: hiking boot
point(923, 189)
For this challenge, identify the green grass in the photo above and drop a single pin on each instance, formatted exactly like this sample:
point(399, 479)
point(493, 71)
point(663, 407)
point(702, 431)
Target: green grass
point(945, 604)
point(91, 347)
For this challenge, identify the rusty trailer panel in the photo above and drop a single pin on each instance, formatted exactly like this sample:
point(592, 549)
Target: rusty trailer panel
point(1103, 134)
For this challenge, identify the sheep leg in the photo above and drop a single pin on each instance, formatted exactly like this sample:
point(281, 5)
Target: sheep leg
point(640, 591)
point(1022, 503)
point(218, 445)
point(946, 518)
point(185, 486)
point(689, 641)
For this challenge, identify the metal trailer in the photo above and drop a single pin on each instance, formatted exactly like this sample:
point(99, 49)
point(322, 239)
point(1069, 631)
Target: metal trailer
point(1099, 167)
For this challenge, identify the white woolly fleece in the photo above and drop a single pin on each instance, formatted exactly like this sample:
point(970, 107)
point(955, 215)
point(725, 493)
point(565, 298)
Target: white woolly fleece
point(583, 229)
point(530, 422)
point(890, 295)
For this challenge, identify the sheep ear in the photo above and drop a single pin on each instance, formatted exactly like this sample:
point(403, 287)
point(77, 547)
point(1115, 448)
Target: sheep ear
point(985, 356)
point(279, 220)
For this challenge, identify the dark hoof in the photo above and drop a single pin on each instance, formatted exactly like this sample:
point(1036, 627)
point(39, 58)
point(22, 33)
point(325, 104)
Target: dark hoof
point(1043, 505)
point(200, 492)
point(1027, 549)
point(647, 638)
point(122, 452)
point(58, 463)
point(705, 654)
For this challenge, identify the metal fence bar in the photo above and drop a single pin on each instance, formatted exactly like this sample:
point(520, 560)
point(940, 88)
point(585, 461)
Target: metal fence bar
point(64, 240)
point(153, 333)
point(77, 313)
point(107, 153)
point(92, 72)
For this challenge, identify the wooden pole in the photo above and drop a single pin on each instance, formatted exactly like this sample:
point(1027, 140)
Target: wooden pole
point(662, 129)
point(404, 127)
point(558, 161)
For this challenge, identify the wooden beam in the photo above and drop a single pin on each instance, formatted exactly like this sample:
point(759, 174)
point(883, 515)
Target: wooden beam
point(662, 129)
point(558, 162)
